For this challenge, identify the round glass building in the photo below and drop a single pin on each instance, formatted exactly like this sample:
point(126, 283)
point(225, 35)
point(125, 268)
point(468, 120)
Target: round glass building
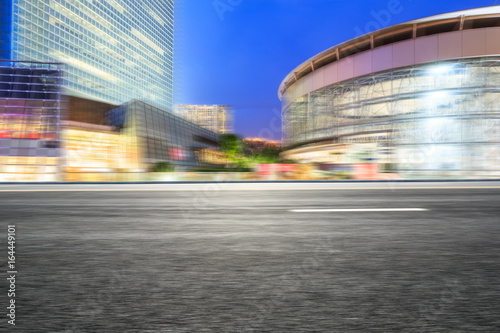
point(421, 99)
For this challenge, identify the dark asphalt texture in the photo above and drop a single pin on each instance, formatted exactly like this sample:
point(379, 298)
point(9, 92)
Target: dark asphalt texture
point(233, 261)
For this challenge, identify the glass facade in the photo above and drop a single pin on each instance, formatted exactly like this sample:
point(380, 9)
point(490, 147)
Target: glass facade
point(441, 117)
point(162, 136)
point(115, 50)
point(30, 112)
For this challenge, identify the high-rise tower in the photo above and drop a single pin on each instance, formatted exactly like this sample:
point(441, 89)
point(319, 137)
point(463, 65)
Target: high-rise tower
point(114, 50)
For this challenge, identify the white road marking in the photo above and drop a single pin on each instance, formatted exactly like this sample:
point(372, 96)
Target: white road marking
point(359, 210)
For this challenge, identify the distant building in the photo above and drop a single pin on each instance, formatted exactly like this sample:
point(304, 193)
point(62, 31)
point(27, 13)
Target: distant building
point(257, 145)
point(216, 118)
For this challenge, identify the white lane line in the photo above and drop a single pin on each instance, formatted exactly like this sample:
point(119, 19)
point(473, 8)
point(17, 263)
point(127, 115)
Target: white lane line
point(359, 210)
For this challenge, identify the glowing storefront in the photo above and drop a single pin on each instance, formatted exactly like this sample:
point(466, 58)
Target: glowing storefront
point(30, 112)
point(422, 98)
point(97, 153)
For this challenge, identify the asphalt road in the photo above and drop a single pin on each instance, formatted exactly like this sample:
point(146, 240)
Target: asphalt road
point(406, 257)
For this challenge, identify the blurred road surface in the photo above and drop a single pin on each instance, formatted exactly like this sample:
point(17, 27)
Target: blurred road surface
point(288, 257)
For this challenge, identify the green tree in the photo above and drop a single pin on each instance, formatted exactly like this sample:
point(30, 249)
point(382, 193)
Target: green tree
point(271, 154)
point(162, 167)
point(230, 144)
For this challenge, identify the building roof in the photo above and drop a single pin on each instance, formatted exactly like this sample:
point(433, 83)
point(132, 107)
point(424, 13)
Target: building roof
point(452, 21)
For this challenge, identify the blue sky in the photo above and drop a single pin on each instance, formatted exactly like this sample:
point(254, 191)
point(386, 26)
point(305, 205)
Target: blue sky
point(237, 52)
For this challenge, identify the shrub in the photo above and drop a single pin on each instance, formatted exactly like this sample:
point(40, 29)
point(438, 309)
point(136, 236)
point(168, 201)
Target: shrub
point(162, 167)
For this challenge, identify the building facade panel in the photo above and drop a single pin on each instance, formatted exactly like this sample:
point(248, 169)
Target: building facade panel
point(449, 46)
point(473, 42)
point(345, 69)
point(307, 84)
point(318, 79)
point(426, 49)
point(299, 88)
point(403, 53)
point(331, 75)
point(382, 59)
point(493, 41)
point(362, 64)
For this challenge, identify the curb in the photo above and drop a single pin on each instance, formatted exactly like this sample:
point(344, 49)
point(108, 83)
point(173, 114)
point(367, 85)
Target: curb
point(255, 182)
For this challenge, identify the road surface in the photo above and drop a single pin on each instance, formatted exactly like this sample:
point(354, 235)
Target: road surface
point(290, 257)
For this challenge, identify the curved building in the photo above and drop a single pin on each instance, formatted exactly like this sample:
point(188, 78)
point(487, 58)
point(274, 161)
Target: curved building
point(420, 98)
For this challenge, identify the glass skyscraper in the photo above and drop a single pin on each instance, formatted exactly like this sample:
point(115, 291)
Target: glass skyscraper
point(114, 50)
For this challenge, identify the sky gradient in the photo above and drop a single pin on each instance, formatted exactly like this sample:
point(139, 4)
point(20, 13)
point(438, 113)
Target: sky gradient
point(237, 52)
